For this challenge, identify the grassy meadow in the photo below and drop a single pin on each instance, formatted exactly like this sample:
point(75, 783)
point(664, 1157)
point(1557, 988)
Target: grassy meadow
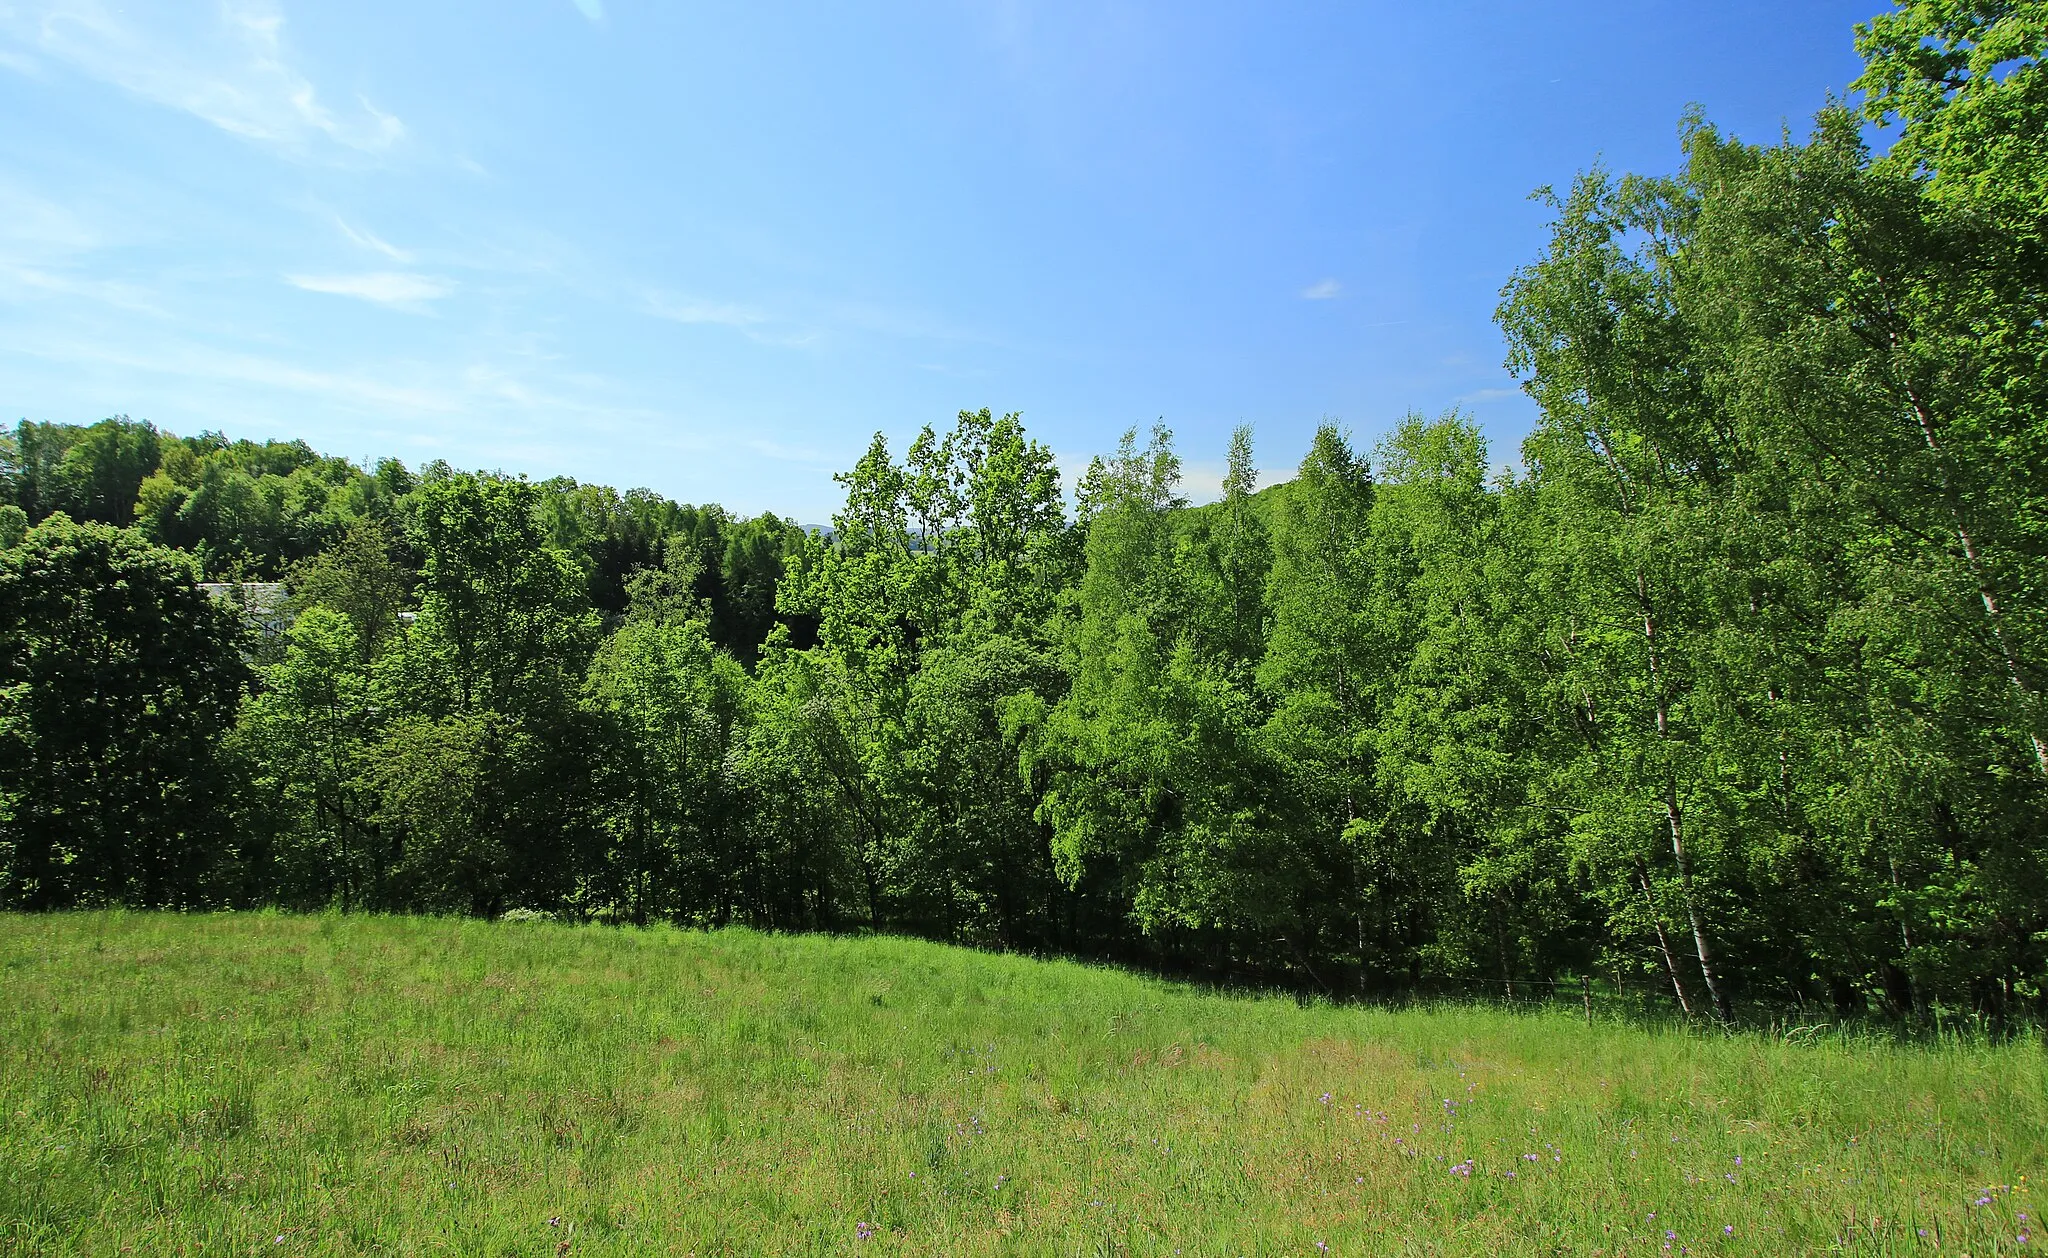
point(273, 1084)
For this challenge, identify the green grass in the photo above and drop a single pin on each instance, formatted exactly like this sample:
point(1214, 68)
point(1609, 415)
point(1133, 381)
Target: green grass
point(210, 1084)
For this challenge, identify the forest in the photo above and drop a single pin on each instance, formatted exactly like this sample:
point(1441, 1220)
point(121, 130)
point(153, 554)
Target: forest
point(1726, 686)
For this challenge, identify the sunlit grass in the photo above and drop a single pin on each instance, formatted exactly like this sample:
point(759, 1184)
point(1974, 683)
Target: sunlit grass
point(274, 1084)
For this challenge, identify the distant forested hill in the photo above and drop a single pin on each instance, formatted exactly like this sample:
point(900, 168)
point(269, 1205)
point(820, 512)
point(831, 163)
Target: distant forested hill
point(249, 511)
point(1735, 690)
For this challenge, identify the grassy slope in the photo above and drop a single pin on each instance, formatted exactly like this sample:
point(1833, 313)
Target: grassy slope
point(369, 1085)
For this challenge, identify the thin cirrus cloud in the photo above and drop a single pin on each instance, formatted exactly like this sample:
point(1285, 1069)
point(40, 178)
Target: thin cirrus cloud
point(366, 239)
point(1321, 290)
point(474, 399)
point(33, 227)
point(233, 71)
point(748, 322)
point(592, 9)
point(691, 310)
point(386, 288)
point(21, 283)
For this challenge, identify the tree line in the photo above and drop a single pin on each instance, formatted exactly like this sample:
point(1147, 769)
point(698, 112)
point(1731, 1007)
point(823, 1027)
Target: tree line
point(1731, 686)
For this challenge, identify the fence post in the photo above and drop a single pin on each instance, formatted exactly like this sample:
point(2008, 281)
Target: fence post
point(1586, 995)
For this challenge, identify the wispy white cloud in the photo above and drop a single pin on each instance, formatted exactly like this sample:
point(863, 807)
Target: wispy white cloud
point(35, 228)
point(46, 251)
point(17, 282)
point(459, 398)
point(1488, 395)
point(752, 323)
point(215, 367)
point(360, 388)
point(896, 323)
point(370, 240)
point(1322, 290)
point(592, 9)
point(692, 310)
point(809, 321)
point(389, 288)
point(234, 71)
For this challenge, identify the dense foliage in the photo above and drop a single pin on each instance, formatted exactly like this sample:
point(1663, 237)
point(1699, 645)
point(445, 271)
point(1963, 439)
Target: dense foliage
point(1734, 685)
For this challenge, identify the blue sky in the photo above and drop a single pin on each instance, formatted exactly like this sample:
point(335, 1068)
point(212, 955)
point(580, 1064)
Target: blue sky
point(710, 249)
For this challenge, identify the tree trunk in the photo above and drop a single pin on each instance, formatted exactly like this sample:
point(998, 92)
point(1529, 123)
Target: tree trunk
point(1358, 903)
point(1500, 938)
point(1692, 912)
point(1664, 944)
point(2014, 674)
point(1673, 815)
